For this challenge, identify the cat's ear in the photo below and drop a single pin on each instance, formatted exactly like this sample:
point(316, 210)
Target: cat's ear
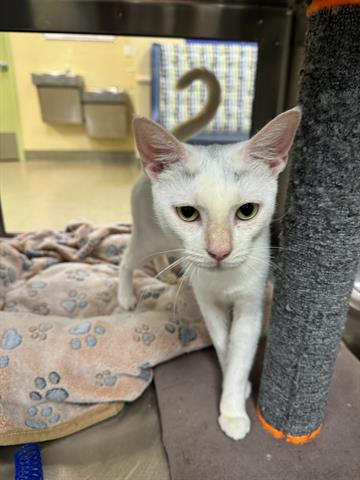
point(273, 142)
point(158, 148)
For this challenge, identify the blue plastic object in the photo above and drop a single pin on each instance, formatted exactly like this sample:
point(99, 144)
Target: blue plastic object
point(28, 464)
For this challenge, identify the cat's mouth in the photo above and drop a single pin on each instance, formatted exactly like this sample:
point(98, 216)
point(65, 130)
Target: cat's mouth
point(215, 266)
point(221, 266)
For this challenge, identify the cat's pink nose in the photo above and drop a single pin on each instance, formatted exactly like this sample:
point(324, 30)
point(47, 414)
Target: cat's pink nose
point(219, 255)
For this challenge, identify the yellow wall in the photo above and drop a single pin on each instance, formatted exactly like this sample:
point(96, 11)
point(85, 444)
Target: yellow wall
point(124, 63)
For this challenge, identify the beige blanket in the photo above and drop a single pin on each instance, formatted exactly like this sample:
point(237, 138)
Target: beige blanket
point(69, 356)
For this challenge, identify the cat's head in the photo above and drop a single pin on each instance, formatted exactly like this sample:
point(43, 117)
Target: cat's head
point(216, 199)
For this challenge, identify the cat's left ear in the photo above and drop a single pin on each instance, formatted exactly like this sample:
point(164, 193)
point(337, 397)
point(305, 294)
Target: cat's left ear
point(158, 148)
point(273, 142)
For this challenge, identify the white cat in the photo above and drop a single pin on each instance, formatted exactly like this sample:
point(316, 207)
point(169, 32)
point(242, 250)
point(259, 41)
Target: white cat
point(213, 207)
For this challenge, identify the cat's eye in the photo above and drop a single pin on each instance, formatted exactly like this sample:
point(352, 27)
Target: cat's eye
point(247, 211)
point(188, 214)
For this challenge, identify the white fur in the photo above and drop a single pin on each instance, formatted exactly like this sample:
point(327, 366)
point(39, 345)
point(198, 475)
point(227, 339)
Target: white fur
point(216, 180)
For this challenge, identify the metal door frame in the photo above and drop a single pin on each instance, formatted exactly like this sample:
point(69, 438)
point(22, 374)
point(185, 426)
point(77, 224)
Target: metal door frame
point(273, 25)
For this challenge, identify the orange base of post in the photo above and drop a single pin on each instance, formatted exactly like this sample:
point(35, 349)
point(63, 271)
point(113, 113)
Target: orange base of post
point(283, 436)
point(317, 5)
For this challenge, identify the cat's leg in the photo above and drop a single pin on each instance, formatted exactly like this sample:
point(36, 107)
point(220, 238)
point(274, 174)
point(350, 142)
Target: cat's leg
point(217, 319)
point(243, 340)
point(146, 240)
point(132, 258)
point(142, 246)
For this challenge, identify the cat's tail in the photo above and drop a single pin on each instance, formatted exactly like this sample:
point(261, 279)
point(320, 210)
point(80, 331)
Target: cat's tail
point(189, 128)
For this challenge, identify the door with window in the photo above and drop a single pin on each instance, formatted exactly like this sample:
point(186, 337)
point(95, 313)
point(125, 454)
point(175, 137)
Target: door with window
point(10, 135)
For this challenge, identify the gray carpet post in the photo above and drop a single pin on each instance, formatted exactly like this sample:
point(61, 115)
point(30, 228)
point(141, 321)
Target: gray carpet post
point(320, 239)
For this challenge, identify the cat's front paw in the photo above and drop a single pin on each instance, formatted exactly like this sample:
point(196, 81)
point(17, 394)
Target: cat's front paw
point(235, 427)
point(126, 300)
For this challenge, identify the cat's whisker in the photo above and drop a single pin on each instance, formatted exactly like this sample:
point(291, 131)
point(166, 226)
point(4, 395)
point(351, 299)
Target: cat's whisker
point(163, 253)
point(180, 285)
point(171, 265)
point(269, 263)
point(281, 217)
point(195, 270)
point(171, 251)
point(250, 267)
point(142, 299)
point(266, 263)
point(195, 255)
point(280, 248)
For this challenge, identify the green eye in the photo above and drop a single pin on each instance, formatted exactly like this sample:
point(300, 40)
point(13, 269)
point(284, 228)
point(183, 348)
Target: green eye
point(247, 211)
point(188, 214)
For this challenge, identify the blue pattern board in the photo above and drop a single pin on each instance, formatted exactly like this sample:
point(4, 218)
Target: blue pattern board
point(234, 65)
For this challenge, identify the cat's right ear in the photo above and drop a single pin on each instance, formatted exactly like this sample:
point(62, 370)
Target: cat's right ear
point(158, 148)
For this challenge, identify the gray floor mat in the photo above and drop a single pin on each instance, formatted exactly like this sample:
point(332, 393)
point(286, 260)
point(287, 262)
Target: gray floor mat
point(188, 390)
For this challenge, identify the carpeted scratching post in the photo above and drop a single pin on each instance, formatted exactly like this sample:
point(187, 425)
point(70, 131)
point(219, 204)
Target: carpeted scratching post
point(320, 239)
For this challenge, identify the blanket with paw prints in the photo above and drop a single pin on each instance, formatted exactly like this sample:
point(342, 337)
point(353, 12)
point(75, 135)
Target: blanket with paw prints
point(69, 356)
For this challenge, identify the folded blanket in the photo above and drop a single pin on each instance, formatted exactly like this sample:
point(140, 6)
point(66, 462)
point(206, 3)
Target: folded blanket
point(68, 354)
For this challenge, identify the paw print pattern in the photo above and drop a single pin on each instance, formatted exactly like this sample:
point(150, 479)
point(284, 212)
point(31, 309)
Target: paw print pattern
point(83, 241)
point(153, 292)
point(53, 394)
point(79, 274)
point(4, 361)
point(43, 417)
point(143, 334)
point(145, 372)
point(61, 239)
point(10, 340)
point(105, 379)
point(185, 331)
point(88, 335)
point(26, 262)
point(105, 296)
point(10, 307)
point(42, 309)
point(7, 275)
point(114, 251)
point(33, 288)
point(74, 301)
point(39, 332)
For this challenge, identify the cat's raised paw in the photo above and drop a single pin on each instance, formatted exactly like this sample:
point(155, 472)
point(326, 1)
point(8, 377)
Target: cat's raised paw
point(127, 302)
point(235, 427)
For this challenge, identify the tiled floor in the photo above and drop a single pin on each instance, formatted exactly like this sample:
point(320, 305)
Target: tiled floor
point(50, 193)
